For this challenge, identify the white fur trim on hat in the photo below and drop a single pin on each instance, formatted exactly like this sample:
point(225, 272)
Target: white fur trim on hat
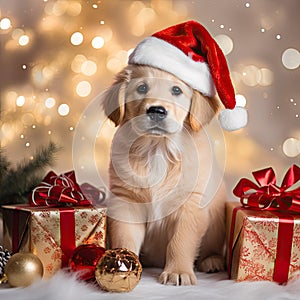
point(160, 54)
point(233, 119)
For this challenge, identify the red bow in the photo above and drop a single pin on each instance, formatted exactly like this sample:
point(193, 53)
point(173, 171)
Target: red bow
point(57, 190)
point(267, 195)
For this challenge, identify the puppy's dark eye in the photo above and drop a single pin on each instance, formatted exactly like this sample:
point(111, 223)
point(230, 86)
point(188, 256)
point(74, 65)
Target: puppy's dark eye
point(142, 88)
point(176, 91)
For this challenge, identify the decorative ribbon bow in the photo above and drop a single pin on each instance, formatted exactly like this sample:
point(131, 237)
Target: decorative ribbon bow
point(267, 195)
point(58, 190)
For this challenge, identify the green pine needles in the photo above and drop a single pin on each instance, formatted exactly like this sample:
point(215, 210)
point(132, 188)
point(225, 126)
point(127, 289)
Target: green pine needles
point(16, 182)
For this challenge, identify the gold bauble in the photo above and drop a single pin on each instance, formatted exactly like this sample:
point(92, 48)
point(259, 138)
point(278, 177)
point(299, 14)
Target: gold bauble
point(22, 269)
point(118, 270)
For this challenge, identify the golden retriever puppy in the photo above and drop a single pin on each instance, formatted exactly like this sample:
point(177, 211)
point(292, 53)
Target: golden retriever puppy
point(166, 203)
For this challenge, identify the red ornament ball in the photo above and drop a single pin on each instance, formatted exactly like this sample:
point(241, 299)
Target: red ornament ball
point(84, 260)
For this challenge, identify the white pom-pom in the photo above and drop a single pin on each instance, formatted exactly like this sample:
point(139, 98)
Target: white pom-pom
point(233, 119)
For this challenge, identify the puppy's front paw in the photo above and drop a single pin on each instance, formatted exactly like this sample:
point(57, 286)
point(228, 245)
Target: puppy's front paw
point(211, 264)
point(178, 278)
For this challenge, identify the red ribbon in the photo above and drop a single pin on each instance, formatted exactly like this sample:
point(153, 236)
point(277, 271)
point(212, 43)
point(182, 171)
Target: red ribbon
point(58, 190)
point(267, 194)
point(67, 234)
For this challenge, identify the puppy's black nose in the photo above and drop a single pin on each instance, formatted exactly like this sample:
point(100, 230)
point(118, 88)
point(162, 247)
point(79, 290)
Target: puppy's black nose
point(157, 113)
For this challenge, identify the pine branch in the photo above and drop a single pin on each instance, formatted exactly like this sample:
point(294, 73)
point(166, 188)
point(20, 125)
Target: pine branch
point(4, 164)
point(17, 182)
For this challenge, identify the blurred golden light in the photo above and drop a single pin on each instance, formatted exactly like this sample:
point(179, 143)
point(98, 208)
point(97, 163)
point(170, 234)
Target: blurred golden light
point(116, 62)
point(74, 8)
point(37, 75)
point(63, 109)
point(236, 77)
point(278, 37)
point(48, 72)
point(251, 75)
point(7, 130)
point(49, 102)
point(142, 16)
point(10, 97)
point(113, 65)
point(49, 8)
point(59, 8)
point(27, 119)
point(76, 38)
point(23, 40)
point(240, 100)
point(266, 77)
point(225, 43)
point(27, 144)
point(22, 136)
point(83, 88)
point(138, 29)
point(98, 42)
point(47, 121)
point(89, 68)
point(5, 23)
point(106, 34)
point(291, 58)
point(17, 33)
point(77, 62)
point(20, 101)
point(291, 147)
point(95, 6)
point(267, 22)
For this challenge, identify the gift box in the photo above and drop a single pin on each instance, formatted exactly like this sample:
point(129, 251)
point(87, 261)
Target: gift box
point(263, 230)
point(57, 219)
point(262, 245)
point(52, 233)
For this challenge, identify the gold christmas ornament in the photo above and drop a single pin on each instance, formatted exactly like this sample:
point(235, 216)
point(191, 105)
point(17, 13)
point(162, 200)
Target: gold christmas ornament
point(22, 269)
point(118, 270)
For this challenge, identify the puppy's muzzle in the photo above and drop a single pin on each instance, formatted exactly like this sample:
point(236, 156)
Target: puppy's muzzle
point(156, 113)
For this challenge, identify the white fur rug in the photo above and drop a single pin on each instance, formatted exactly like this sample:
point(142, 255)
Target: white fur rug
point(210, 286)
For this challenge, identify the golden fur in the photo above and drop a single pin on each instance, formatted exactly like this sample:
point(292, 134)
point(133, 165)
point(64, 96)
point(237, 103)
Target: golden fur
point(160, 178)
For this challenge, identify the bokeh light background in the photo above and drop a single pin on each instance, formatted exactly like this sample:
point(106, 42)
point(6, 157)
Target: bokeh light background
point(57, 55)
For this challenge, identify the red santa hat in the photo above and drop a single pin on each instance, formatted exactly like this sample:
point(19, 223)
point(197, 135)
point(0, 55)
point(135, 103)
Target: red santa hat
point(189, 52)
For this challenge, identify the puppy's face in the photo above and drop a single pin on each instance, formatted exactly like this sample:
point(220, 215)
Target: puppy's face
point(155, 102)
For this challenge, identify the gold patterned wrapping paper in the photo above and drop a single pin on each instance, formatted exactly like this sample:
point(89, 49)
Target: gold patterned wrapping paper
point(52, 233)
point(259, 248)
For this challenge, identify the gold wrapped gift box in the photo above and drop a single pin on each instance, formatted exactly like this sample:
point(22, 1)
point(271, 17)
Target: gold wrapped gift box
point(52, 233)
point(262, 245)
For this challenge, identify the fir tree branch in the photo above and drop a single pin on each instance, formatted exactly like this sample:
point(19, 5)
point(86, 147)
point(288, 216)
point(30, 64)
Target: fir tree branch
point(17, 182)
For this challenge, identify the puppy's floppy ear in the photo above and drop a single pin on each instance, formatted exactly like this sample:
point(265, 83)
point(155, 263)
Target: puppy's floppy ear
point(202, 110)
point(114, 97)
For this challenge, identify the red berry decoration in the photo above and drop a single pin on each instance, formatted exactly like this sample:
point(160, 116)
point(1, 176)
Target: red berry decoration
point(85, 259)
